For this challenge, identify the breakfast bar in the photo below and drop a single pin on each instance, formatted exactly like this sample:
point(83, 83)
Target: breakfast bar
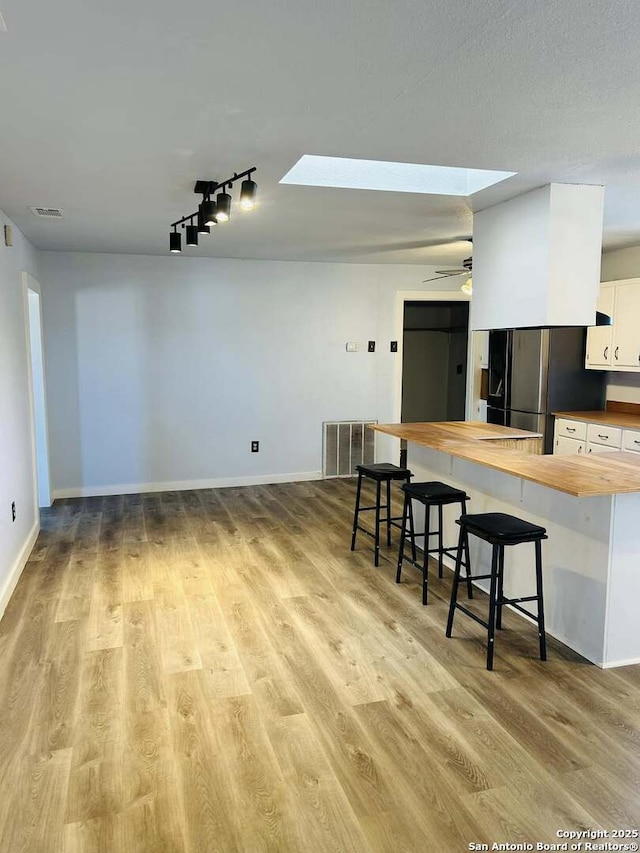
point(590, 506)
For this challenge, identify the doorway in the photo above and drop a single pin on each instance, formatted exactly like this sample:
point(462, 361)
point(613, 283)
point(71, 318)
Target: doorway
point(39, 402)
point(435, 337)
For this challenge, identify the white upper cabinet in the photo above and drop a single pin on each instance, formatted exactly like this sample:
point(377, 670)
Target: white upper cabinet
point(626, 339)
point(616, 347)
point(600, 338)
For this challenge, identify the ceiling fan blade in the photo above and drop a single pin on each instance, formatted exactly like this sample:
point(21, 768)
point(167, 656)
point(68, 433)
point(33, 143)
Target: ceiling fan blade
point(456, 271)
point(446, 274)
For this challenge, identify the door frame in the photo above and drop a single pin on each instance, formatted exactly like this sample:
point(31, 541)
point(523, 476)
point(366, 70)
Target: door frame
point(29, 283)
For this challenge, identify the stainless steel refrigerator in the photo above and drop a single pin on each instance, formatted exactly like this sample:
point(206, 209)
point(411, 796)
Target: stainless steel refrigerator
point(535, 372)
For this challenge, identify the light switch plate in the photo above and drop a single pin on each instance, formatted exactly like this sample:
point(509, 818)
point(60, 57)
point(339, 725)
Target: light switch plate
point(352, 346)
point(372, 346)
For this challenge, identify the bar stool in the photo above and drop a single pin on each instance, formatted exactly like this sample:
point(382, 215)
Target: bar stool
point(499, 530)
point(432, 494)
point(380, 472)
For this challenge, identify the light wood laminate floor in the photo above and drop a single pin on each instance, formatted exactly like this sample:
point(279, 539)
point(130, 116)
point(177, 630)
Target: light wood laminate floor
point(216, 671)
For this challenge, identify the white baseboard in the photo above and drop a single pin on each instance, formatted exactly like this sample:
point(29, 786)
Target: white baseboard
point(185, 485)
point(18, 566)
point(612, 664)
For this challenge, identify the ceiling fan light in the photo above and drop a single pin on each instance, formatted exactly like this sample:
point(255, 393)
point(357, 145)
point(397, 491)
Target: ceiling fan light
point(248, 190)
point(223, 204)
point(467, 287)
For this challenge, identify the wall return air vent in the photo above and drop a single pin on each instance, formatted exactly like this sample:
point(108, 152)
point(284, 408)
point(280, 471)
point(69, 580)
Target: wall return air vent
point(48, 212)
point(345, 445)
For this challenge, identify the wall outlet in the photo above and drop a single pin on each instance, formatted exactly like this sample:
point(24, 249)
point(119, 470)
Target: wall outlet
point(352, 346)
point(13, 511)
point(371, 347)
point(393, 347)
point(255, 446)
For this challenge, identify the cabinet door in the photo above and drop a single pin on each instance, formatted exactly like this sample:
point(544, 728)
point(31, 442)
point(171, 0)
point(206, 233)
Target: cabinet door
point(600, 338)
point(626, 331)
point(563, 446)
point(601, 448)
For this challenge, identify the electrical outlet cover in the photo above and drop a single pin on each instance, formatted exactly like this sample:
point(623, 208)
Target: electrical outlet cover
point(372, 346)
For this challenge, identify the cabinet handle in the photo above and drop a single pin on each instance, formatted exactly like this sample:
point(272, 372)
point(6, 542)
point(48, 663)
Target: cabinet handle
point(635, 441)
point(615, 354)
point(570, 429)
point(606, 351)
point(602, 436)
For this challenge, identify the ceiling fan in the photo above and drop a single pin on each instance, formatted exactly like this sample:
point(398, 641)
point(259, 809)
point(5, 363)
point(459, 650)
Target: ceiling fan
point(466, 269)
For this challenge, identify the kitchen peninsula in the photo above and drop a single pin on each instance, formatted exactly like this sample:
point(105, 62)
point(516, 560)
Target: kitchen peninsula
point(590, 506)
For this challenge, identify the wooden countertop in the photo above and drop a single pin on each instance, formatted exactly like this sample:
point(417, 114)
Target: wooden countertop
point(591, 475)
point(619, 419)
point(436, 431)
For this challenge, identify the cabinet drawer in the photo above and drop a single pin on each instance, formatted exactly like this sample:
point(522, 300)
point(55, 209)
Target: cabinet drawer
point(599, 434)
point(571, 429)
point(631, 440)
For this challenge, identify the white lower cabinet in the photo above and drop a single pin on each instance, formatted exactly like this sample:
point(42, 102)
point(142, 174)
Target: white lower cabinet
point(564, 446)
point(573, 437)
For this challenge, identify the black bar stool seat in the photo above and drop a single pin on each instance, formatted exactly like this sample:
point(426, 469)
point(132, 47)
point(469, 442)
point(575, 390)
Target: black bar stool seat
point(431, 494)
point(500, 530)
point(503, 529)
point(379, 472)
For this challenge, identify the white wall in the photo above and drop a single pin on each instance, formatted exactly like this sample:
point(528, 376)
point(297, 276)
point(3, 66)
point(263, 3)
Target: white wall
point(161, 370)
point(620, 264)
point(17, 476)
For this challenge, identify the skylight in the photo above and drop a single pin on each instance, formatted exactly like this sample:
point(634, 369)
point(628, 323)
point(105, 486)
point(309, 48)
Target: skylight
point(314, 171)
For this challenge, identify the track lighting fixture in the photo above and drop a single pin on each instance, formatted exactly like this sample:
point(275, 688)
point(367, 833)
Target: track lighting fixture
point(209, 212)
point(223, 204)
point(192, 235)
point(175, 242)
point(203, 228)
point(248, 191)
point(213, 209)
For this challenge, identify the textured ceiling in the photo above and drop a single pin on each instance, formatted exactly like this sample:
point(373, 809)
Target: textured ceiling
point(112, 111)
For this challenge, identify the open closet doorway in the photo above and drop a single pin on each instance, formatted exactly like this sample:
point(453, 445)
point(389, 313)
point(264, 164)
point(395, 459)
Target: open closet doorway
point(434, 364)
point(38, 392)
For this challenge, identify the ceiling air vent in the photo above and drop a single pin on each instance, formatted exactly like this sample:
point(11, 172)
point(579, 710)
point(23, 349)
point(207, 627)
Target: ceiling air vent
point(48, 212)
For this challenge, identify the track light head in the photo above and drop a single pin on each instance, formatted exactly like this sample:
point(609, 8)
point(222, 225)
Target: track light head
point(223, 204)
point(175, 243)
point(209, 212)
point(192, 235)
point(202, 227)
point(248, 190)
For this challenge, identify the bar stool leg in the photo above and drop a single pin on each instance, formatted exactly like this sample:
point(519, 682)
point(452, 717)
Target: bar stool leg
point(405, 516)
point(388, 512)
point(454, 585)
point(467, 559)
point(541, 634)
point(357, 510)
point(495, 558)
point(500, 590)
point(440, 544)
point(425, 561)
point(376, 561)
point(412, 532)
